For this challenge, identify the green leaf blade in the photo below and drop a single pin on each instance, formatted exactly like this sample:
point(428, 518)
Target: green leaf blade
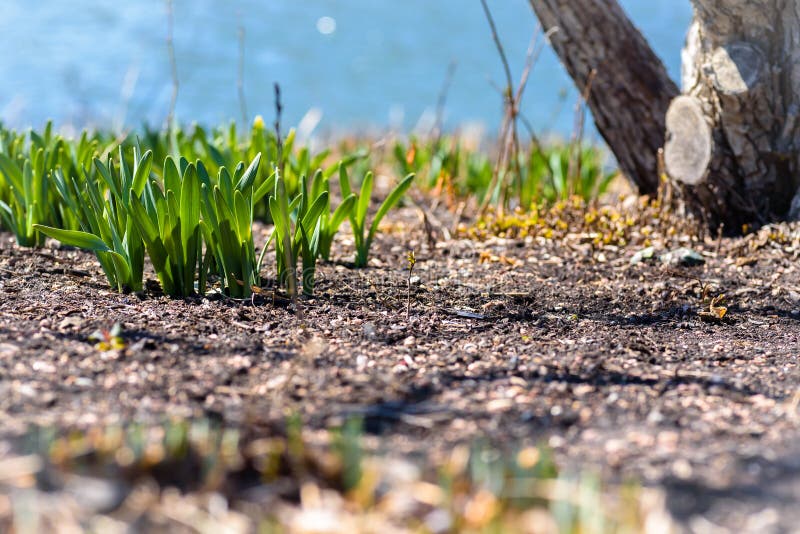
point(74, 238)
point(393, 198)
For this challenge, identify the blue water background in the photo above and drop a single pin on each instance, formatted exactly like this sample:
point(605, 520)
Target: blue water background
point(104, 63)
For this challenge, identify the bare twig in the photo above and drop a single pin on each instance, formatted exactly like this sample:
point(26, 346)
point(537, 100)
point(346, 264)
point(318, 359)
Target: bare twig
point(457, 216)
point(534, 51)
point(514, 110)
point(173, 63)
point(279, 139)
point(499, 45)
point(529, 128)
point(240, 76)
point(506, 127)
point(508, 139)
point(126, 93)
point(532, 55)
point(291, 268)
point(123, 134)
point(664, 193)
point(720, 233)
point(438, 125)
point(574, 166)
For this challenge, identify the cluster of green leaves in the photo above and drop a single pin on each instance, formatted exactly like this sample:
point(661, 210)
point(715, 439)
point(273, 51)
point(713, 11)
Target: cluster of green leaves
point(306, 225)
point(191, 214)
point(358, 215)
point(27, 193)
point(224, 147)
point(570, 170)
point(445, 163)
point(100, 200)
point(542, 174)
point(297, 232)
point(163, 217)
point(227, 224)
point(168, 223)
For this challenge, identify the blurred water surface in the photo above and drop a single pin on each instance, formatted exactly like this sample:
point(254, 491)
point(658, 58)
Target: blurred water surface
point(359, 62)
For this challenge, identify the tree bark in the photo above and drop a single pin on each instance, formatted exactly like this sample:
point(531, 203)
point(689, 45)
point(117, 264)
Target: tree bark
point(733, 137)
point(631, 90)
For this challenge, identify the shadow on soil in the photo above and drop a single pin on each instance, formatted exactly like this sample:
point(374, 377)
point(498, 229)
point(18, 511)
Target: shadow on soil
point(773, 484)
point(415, 408)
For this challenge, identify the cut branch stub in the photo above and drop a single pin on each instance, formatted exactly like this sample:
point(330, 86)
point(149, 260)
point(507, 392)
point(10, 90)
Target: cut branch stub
point(688, 148)
point(737, 68)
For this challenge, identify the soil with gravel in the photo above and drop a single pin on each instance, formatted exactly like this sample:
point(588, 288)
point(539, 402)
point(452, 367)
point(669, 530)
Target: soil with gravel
point(510, 341)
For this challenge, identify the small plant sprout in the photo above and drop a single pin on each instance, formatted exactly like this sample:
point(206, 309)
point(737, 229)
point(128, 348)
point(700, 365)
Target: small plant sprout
point(358, 216)
point(108, 340)
point(412, 261)
point(716, 311)
point(712, 310)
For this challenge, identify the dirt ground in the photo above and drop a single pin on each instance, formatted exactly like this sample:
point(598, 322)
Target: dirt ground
point(513, 341)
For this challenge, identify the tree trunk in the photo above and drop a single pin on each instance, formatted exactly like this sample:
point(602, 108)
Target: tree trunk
point(733, 136)
point(631, 90)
